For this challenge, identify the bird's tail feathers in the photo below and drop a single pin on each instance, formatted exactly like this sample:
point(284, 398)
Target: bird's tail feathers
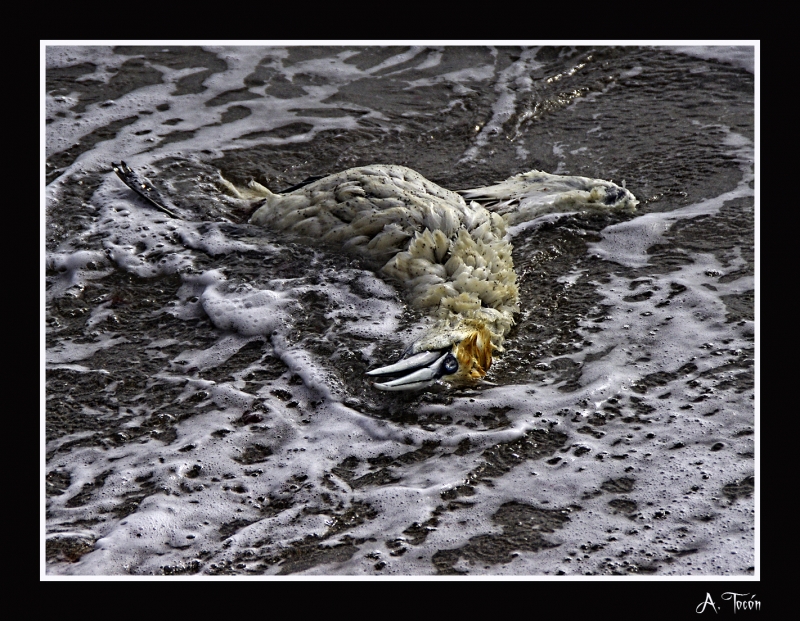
point(253, 190)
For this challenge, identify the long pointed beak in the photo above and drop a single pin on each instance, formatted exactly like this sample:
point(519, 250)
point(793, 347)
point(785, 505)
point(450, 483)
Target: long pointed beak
point(423, 370)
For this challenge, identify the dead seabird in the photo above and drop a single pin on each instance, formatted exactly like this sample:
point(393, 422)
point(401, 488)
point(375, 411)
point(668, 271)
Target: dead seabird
point(452, 257)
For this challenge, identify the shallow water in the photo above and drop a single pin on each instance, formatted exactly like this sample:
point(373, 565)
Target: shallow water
point(207, 411)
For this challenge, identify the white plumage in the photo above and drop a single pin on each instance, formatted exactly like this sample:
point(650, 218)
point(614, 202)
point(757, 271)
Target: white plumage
point(451, 257)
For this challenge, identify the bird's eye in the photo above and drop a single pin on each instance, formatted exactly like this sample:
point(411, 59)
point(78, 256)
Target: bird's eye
point(449, 364)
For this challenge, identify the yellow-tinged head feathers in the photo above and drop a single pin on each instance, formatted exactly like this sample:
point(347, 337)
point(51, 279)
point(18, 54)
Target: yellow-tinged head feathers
point(474, 354)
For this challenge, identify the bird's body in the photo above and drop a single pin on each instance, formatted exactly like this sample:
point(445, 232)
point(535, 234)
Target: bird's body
point(452, 258)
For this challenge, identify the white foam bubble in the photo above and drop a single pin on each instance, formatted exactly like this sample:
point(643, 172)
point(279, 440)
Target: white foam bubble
point(68, 350)
point(245, 310)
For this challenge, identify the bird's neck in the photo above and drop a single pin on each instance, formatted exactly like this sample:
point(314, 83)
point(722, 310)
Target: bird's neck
point(472, 283)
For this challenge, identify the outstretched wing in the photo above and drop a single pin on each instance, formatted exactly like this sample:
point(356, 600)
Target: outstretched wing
point(523, 197)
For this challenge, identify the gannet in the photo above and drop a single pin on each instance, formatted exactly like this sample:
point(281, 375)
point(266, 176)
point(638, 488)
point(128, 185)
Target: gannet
point(452, 258)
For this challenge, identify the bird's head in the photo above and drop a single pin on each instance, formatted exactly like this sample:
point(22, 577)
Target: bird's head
point(459, 355)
